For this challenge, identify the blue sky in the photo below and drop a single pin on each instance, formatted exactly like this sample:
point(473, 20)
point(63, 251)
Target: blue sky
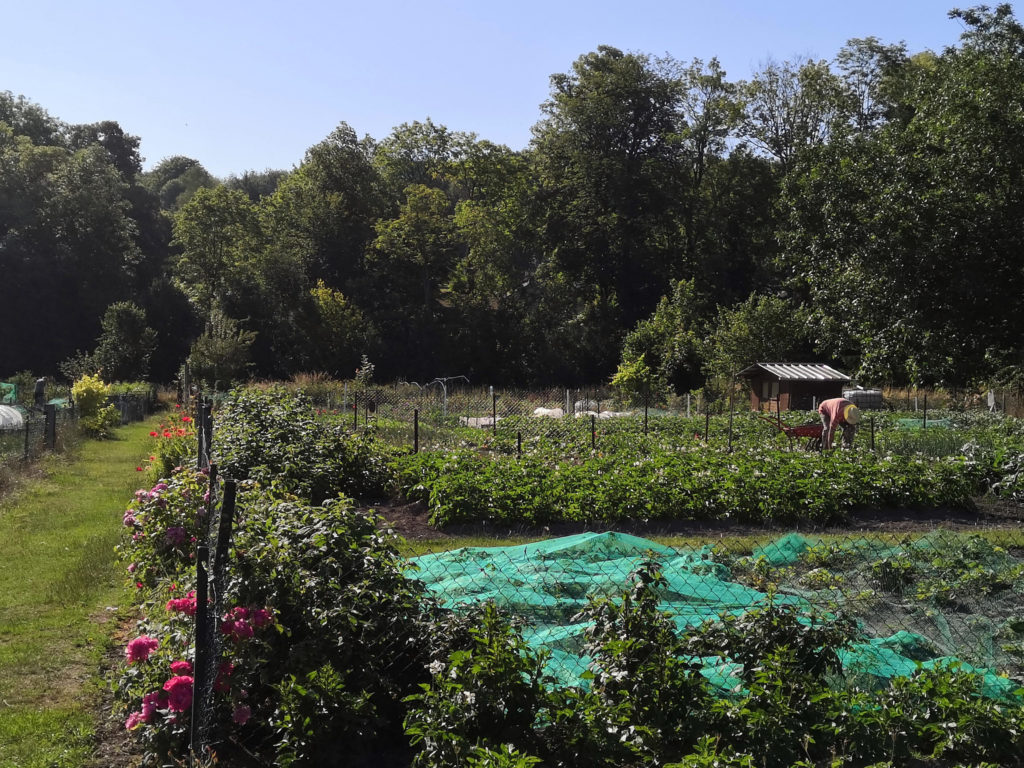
point(252, 85)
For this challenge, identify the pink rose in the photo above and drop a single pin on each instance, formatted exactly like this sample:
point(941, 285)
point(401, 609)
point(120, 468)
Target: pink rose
point(134, 720)
point(151, 702)
point(140, 648)
point(261, 617)
point(181, 667)
point(241, 714)
point(179, 693)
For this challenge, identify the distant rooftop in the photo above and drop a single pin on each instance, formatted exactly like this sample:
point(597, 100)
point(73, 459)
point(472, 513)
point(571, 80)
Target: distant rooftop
point(796, 372)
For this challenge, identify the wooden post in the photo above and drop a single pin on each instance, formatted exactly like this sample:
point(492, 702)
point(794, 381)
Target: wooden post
point(415, 430)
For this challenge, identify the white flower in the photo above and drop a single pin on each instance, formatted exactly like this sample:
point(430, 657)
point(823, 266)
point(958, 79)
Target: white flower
point(468, 697)
point(436, 667)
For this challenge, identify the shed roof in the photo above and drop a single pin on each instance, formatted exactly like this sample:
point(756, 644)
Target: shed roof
point(795, 372)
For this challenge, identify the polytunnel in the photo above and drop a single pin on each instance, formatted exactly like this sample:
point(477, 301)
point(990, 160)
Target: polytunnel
point(11, 418)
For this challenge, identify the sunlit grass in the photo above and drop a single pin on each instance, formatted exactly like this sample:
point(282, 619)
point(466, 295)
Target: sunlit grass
point(58, 579)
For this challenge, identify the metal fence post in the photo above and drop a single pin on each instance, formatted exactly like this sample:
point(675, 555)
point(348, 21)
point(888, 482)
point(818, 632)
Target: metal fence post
point(415, 430)
point(51, 427)
point(203, 652)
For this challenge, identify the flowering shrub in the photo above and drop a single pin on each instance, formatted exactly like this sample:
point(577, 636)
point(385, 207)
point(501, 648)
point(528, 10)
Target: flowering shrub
point(162, 526)
point(175, 443)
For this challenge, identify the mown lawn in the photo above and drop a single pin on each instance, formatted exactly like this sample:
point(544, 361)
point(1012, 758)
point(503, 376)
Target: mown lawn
point(59, 588)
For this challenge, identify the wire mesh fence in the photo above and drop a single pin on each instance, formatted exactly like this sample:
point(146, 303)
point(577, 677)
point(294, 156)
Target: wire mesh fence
point(41, 430)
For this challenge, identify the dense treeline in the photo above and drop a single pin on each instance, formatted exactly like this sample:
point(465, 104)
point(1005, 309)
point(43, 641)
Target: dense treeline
point(664, 219)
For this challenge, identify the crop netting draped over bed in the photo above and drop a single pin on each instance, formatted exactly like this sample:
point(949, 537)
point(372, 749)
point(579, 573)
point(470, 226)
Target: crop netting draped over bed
point(548, 582)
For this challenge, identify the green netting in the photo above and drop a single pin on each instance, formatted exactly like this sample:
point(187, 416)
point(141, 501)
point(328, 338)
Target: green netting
point(8, 392)
point(548, 582)
point(920, 423)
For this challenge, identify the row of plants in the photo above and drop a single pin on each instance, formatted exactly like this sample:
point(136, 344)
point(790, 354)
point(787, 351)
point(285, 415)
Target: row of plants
point(659, 482)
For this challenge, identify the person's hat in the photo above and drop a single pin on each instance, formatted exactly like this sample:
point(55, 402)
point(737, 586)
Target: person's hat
point(851, 414)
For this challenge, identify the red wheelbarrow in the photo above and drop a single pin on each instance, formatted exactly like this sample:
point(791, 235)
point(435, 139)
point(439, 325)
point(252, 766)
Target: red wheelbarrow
point(808, 436)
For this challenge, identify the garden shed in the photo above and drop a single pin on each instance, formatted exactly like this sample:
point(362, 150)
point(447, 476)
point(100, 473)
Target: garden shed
point(792, 386)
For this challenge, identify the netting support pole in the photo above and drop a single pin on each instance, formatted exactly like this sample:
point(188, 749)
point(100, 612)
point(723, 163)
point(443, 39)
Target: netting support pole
point(26, 439)
point(925, 422)
point(355, 411)
point(593, 432)
point(415, 430)
point(707, 423)
point(519, 444)
point(202, 653)
point(872, 433)
point(494, 413)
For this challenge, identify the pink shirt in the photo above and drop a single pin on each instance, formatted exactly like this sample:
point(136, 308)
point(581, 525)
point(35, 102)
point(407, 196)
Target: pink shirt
point(834, 409)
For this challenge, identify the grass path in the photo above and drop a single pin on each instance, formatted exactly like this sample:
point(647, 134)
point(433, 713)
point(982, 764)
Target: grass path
point(58, 584)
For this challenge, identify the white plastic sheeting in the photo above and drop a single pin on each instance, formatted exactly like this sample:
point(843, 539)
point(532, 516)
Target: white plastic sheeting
point(11, 418)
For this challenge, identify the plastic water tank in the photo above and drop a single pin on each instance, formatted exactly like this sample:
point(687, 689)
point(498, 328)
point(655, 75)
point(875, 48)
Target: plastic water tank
point(11, 418)
point(867, 399)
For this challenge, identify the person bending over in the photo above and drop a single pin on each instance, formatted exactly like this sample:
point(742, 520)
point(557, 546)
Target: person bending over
point(838, 412)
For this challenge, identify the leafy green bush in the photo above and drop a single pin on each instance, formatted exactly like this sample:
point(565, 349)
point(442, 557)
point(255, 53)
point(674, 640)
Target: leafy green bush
point(89, 394)
point(271, 436)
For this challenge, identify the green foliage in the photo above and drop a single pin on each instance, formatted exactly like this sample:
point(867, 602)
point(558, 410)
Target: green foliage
point(89, 394)
point(272, 437)
point(761, 329)
point(637, 384)
point(484, 696)
point(220, 357)
point(126, 344)
point(640, 478)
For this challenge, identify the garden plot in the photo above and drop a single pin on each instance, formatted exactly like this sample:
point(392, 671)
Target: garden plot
point(932, 601)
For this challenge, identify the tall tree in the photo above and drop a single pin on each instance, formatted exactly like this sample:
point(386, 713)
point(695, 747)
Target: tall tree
point(908, 240)
point(608, 158)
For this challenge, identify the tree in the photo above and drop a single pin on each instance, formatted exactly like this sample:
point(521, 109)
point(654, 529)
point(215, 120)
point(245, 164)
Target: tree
point(792, 106)
point(122, 148)
point(336, 332)
point(669, 341)
point(610, 172)
point(220, 356)
point(126, 344)
point(907, 241)
point(176, 179)
point(411, 260)
point(761, 329)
